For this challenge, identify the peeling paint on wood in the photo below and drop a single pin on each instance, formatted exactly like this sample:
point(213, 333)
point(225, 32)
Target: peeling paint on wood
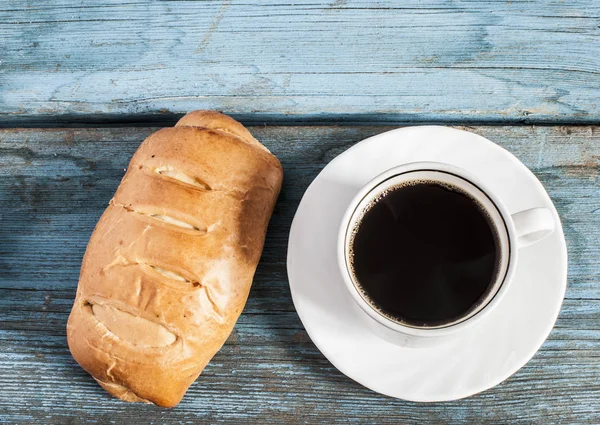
point(54, 184)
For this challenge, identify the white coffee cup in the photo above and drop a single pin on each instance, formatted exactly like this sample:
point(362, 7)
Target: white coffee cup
point(514, 231)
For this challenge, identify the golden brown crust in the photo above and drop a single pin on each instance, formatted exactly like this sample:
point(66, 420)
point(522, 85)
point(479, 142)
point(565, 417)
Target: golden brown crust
point(168, 268)
point(218, 122)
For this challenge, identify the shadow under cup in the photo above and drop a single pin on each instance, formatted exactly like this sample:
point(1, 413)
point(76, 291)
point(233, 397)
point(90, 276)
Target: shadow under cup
point(365, 219)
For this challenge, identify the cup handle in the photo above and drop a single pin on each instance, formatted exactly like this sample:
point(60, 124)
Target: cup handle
point(533, 225)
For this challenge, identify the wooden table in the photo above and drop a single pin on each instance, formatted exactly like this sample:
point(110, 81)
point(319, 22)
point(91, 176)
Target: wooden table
point(311, 79)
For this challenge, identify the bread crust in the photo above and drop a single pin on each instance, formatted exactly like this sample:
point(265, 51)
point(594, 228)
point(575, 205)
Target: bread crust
point(168, 268)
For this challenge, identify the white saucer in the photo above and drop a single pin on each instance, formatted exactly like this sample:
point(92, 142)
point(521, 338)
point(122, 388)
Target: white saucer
point(474, 360)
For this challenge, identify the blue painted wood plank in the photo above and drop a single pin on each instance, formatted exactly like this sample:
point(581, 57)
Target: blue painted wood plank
point(418, 60)
point(54, 184)
point(61, 180)
point(288, 385)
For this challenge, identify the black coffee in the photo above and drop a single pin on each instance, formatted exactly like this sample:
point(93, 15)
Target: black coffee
point(424, 254)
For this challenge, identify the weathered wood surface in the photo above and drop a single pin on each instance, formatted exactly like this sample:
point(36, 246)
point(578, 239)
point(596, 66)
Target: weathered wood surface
point(361, 60)
point(54, 184)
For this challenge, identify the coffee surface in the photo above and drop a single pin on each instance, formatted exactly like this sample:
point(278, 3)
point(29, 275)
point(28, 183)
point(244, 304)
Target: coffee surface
point(424, 254)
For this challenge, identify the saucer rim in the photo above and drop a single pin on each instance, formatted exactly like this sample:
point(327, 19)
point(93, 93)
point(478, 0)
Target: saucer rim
point(535, 344)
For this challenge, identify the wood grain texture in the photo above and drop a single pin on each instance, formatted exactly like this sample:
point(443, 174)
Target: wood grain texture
point(55, 183)
point(360, 60)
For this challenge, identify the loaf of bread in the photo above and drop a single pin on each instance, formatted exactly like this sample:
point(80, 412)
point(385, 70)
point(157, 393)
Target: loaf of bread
point(169, 265)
